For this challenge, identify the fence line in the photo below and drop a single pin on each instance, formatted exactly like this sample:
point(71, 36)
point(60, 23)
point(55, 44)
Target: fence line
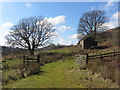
point(101, 56)
point(27, 59)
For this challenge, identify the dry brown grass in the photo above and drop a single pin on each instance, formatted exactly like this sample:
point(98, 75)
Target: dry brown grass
point(107, 69)
point(20, 71)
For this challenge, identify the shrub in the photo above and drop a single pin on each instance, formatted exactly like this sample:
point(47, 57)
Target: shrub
point(29, 68)
point(22, 71)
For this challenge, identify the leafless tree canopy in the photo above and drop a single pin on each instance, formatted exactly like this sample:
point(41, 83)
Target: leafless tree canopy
point(31, 33)
point(91, 22)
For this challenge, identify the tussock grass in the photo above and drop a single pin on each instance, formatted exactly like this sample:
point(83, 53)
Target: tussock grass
point(16, 70)
point(106, 69)
point(59, 71)
point(62, 74)
point(60, 51)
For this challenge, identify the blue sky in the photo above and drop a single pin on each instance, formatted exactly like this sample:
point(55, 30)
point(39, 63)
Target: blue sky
point(64, 15)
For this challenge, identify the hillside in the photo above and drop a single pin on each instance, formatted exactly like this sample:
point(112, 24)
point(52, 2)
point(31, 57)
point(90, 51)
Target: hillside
point(109, 37)
point(59, 69)
point(53, 47)
point(7, 51)
point(63, 73)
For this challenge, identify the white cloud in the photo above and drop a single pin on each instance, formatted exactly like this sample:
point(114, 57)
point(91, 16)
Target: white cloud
point(116, 15)
point(62, 41)
point(5, 25)
point(28, 5)
point(110, 25)
point(56, 20)
point(109, 4)
point(108, 7)
point(2, 41)
point(75, 36)
point(55, 35)
point(113, 21)
point(4, 30)
point(62, 28)
point(8, 24)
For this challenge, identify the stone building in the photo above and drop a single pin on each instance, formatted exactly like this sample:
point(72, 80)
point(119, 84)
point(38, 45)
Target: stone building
point(87, 42)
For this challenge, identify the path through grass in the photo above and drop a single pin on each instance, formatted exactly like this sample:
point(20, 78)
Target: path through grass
point(62, 74)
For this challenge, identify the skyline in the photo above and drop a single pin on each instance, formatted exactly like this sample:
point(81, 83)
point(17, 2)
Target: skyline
point(63, 15)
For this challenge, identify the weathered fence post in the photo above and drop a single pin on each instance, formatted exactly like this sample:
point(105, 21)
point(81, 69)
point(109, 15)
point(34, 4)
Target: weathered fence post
point(27, 60)
point(87, 58)
point(23, 59)
point(38, 58)
point(101, 57)
point(114, 55)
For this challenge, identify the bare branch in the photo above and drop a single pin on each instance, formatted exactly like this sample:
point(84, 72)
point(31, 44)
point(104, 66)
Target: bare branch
point(31, 33)
point(91, 22)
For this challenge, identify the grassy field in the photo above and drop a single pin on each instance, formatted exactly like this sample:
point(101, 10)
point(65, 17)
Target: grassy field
point(62, 74)
point(58, 71)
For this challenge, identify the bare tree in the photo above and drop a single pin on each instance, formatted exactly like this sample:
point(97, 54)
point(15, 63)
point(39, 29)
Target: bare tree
point(31, 33)
point(91, 22)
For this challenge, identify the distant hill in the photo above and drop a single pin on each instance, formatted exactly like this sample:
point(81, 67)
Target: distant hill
point(52, 47)
point(11, 51)
point(110, 37)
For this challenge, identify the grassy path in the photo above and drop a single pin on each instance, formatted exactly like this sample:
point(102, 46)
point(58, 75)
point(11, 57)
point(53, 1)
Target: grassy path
point(62, 74)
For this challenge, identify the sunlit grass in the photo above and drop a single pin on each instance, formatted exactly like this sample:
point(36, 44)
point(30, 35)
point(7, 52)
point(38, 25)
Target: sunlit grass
point(63, 50)
point(62, 74)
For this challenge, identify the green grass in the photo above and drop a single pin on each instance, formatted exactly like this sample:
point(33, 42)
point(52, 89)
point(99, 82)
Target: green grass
point(11, 63)
point(14, 62)
point(62, 74)
point(103, 51)
point(61, 51)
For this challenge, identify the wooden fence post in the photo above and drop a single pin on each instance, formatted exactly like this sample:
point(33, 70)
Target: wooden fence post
point(101, 57)
point(27, 60)
point(87, 58)
point(38, 58)
point(23, 59)
point(114, 55)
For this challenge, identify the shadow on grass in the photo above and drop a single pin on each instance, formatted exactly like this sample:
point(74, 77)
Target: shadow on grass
point(42, 72)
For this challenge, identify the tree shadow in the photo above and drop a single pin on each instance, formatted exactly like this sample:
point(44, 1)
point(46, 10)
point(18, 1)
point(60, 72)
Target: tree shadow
point(42, 72)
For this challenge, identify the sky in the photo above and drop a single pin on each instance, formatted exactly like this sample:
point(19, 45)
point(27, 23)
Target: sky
point(63, 15)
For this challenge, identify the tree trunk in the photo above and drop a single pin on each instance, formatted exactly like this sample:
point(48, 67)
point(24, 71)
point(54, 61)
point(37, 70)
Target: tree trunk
point(31, 52)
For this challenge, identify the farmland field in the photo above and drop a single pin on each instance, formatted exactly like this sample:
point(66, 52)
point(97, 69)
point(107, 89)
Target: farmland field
point(63, 73)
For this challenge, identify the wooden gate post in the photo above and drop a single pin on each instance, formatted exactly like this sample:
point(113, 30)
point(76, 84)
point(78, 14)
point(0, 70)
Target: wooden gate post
point(38, 58)
point(23, 59)
point(87, 59)
point(114, 55)
point(27, 60)
point(101, 57)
